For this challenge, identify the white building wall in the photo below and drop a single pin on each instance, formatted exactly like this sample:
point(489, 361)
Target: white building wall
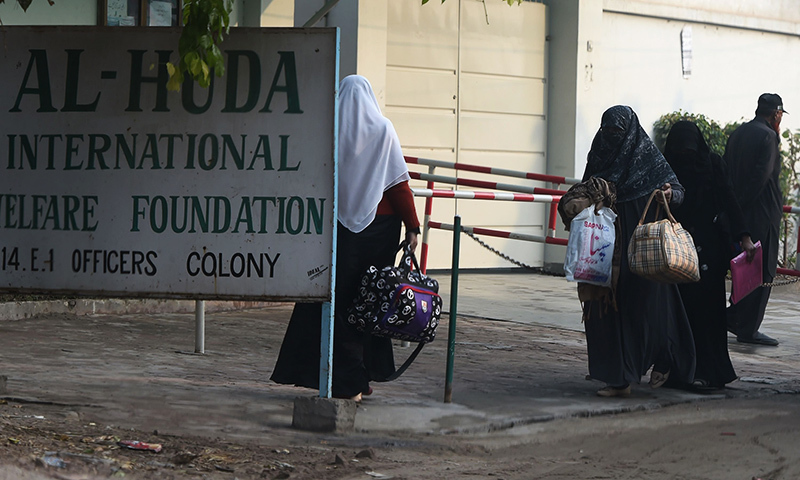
point(607, 52)
point(740, 49)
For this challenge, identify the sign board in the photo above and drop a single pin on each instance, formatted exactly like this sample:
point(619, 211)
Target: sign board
point(113, 186)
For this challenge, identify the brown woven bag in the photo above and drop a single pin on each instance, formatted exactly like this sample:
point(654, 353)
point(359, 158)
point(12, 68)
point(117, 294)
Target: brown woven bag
point(663, 251)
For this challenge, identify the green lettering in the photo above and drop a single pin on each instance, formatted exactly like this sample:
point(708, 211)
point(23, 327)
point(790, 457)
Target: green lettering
point(138, 211)
point(129, 153)
point(293, 228)
point(199, 215)
point(88, 213)
point(11, 201)
point(229, 146)
point(315, 215)
point(151, 152)
point(39, 60)
point(187, 96)
point(262, 151)
point(72, 148)
point(174, 201)
point(31, 152)
point(222, 211)
point(286, 65)
point(96, 152)
point(138, 78)
point(52, 213)
point(232, 82)
point(158, 210)
point(285, 155)
point(245, 216)
point(210, 162)
point(71, 86)
point(71, 207)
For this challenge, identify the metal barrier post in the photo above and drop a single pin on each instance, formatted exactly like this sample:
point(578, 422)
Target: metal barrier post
point(451, 334)
point(425, 227)
point(551, 221)
point(797, 250)
point(199, 326)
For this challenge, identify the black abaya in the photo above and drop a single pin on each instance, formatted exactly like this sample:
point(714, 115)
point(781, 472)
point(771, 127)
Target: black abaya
point(648, 327)
point(711, 214)
point(357, 358)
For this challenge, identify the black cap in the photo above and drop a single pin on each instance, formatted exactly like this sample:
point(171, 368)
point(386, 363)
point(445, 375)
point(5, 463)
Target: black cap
point(771, 101)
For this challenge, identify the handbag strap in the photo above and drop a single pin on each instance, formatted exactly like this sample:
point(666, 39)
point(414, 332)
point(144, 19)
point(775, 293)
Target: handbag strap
point(407, 252)
point(405, 364)
point(658, 205)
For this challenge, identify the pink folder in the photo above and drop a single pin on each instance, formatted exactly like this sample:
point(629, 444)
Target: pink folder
point(746, 276)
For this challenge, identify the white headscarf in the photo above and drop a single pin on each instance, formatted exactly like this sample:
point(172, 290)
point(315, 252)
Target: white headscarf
point(370, 158)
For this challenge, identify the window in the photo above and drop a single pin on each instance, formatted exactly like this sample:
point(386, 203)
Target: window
point(143, 13)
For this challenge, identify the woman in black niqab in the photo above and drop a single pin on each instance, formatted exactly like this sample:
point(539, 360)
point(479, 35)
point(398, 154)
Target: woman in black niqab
point(623, 153)
point(648, 328)
point(713, 217)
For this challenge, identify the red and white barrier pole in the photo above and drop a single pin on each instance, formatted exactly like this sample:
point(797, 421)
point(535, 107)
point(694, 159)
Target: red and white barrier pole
point(476, 195)
point(483, 184)
point(425, 227)
point(502, 234)
point(492, 170)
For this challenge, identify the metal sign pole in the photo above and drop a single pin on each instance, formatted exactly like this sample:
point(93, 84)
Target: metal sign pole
point(199, 326)
point(326, 351)
point(451, 336)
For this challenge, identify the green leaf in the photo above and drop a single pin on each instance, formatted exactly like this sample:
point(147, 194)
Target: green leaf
point(175, 80)
point(206, 22)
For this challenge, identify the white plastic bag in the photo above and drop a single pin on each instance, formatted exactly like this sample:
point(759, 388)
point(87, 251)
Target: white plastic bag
point(591, 247)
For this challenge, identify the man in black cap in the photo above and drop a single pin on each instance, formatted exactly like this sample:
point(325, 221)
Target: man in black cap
point(754, 161)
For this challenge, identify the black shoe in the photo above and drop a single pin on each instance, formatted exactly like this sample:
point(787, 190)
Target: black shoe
point(758, 338)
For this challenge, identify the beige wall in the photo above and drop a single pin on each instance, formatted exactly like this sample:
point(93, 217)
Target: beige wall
point(459, 89)
point(277, 13)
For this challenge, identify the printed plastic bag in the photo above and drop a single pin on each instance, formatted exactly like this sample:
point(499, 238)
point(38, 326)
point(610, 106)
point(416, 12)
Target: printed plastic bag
point(591, 247)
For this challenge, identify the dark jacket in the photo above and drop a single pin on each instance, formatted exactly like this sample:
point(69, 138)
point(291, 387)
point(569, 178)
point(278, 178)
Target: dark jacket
point(752, 155)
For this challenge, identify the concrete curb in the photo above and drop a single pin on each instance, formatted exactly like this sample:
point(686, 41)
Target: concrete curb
point(23, 310)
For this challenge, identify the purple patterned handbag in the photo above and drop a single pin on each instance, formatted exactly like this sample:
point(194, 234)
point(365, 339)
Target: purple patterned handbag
point(397, 302)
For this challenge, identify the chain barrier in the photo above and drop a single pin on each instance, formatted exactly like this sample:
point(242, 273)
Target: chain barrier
point(777, 283)
point(781, 282)
point(497, 252)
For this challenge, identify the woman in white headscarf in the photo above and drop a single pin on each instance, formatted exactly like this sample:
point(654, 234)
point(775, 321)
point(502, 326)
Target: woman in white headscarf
point(374, 199)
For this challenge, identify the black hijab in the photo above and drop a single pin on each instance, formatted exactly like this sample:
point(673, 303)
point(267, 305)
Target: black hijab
point(687, 153)
point(697, 168)
point(623, 153)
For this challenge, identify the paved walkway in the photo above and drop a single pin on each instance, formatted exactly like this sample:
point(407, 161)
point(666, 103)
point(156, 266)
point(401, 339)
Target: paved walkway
point(520, 358)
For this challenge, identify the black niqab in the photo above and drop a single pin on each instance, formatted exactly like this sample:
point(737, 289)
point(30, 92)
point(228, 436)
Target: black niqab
point(698, 169)
point(687, 153)
point(623, 153)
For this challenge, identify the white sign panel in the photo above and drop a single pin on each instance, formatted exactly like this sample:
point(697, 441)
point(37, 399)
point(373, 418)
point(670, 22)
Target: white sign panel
point(111, 185)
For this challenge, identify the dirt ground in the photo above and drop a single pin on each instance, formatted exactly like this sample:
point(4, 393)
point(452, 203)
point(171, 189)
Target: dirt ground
point(727, 439)
point(79, 385)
